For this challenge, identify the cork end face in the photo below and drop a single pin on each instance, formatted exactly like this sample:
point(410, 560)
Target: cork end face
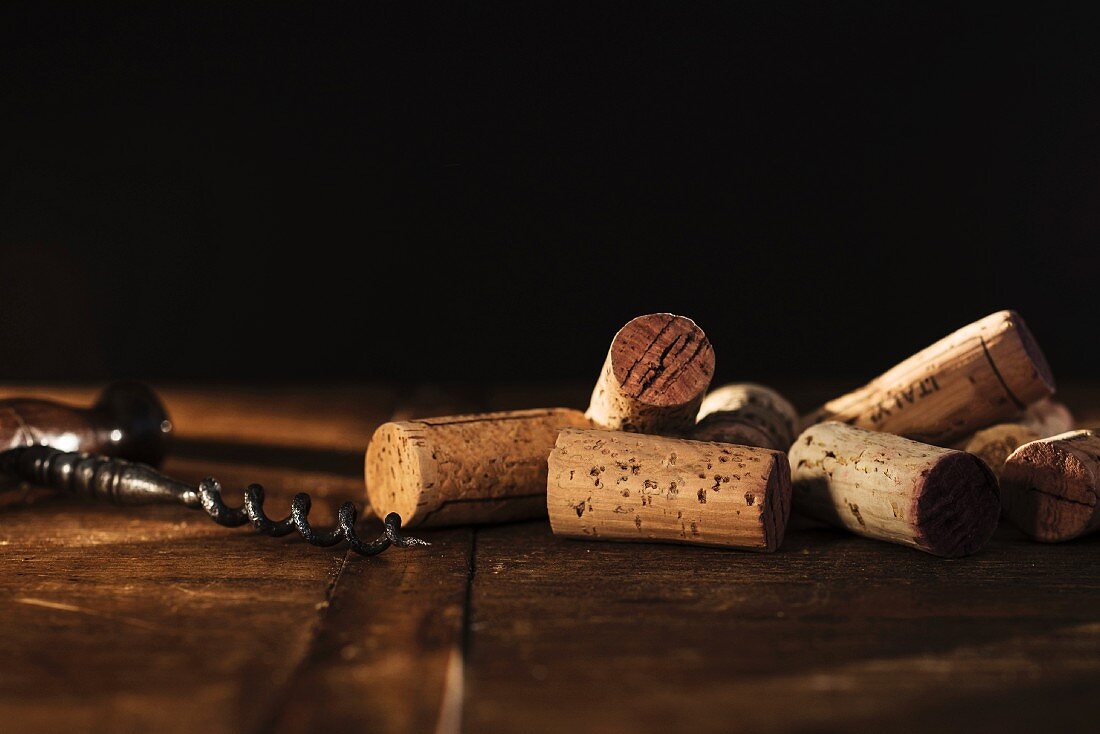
point(393, 474)
point(1048, 493)
point(662, 360)
point(1033, 351)
point(959, 506)
point(994, 444)
point(777, 503)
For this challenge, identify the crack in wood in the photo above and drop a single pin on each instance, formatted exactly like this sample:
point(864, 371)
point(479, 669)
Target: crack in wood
point(281, 695)
point(454, 689)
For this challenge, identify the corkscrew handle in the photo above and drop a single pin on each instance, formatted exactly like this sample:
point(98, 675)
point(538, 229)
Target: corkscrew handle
point(128, 420)
point(96, 477)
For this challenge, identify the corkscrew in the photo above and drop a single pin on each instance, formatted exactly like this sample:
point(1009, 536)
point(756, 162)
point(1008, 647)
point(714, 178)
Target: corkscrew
point(129, 422)
point(124, 483)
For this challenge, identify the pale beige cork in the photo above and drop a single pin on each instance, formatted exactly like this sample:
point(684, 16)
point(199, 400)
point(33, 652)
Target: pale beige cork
point(984, 373)
point(886, 487)
point(613, 485)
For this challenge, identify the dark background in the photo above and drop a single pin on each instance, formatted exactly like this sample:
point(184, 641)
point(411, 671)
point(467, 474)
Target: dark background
point(362, 191)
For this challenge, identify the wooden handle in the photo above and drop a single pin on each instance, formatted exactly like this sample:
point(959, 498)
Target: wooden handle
point(993, 445)
point(127, 421)
point(748, 415)
point(1050, 486)
point(654, 377)
point(611, 485)
point(981, 374)
point(882, 486)
point(464, 469)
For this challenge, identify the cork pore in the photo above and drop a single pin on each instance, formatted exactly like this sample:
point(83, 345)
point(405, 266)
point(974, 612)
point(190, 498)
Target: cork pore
point(959, 505)
point(662, 359)
point(1048, 492)
point(994, 444)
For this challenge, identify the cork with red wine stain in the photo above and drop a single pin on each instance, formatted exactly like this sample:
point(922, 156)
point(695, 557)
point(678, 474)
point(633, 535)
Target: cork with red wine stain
point(941, 501)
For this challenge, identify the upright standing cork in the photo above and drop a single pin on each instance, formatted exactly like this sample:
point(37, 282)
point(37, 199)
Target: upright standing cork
point(748, 415)
point(1050, 486)
point(983, 373)
point(613, 485)
point(654, 377)
point(883, 486)
point(466, 468)
point(994, 444)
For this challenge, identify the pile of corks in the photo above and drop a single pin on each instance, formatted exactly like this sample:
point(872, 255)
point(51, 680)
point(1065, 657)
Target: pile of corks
point(930, 454)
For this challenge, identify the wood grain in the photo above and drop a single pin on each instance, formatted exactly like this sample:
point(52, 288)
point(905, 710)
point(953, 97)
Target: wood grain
point(831, 633)
point(155, 618)
point(389, 654)
point(149, 619)
point(162, 621)
point(329, 418)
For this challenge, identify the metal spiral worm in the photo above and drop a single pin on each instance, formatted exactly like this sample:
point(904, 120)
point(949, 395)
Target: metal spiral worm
point(253, 512)
point(126, 483)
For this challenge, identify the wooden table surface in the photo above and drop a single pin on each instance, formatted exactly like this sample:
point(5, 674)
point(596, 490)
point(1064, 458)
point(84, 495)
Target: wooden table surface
point(155, 619)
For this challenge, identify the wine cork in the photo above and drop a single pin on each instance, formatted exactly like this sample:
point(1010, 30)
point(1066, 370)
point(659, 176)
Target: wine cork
point(1050, 486)
point(748, 415)
point(464, 469)
point(611, 485)
point(994, 444)
point(654, 377)
point(1047, 418)
point(983, 373)
point(883, 486)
